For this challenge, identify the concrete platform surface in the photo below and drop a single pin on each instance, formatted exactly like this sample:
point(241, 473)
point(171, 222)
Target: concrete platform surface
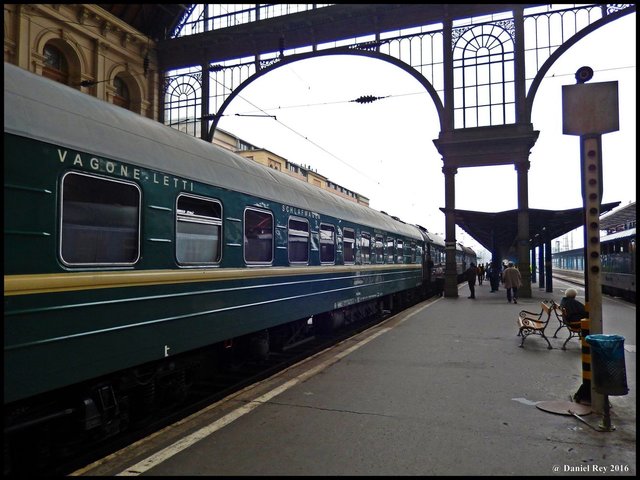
point(441, 389)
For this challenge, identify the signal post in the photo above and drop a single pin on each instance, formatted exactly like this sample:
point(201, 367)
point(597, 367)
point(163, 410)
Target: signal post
point(589, 110)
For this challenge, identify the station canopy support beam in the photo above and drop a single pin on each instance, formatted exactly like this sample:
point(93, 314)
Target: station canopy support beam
point(483, 147)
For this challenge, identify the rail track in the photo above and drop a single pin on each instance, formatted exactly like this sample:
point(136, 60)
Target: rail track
point(237, 374)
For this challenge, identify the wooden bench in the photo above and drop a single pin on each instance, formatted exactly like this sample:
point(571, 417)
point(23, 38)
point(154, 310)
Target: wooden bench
point(530, 323)
point(573, 328)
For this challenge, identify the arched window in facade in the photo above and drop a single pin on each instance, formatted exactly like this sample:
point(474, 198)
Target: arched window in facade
point(122, 96)
point(56, 66)
point(483, 75)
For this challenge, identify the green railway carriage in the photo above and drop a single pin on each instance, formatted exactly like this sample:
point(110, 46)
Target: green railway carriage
point(617, 263)
point(128, 242)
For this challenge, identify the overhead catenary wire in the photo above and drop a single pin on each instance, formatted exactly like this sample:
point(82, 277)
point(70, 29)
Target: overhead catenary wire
point(266, 112)
point(365, 99)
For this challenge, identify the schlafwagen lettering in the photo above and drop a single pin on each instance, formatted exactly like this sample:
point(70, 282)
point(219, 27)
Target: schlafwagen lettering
point(115, 168)
point(299, 212)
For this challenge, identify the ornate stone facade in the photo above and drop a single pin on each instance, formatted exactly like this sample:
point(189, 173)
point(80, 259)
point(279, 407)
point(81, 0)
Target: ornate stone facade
point(86, 48)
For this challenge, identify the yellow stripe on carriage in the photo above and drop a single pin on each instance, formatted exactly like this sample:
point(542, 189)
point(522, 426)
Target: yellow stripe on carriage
point(71, 281)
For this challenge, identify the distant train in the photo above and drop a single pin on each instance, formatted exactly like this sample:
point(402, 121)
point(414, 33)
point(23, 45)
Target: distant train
point(617, 259)
point(134, 254)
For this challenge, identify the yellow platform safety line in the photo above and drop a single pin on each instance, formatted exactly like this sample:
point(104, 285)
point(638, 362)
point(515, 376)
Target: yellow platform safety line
point(586, 352)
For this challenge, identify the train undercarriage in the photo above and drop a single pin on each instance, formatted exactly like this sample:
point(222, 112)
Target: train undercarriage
point(57, 425)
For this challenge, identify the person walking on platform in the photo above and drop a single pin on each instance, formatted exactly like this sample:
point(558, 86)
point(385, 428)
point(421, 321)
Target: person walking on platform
point(470, 274)
point(480, 273)
point(493, 274)
point(512, 280)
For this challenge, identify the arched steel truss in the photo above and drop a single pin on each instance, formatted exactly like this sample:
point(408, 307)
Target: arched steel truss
point(487, 66)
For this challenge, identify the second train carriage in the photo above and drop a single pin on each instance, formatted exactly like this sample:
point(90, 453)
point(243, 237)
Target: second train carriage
point(617, 262)
point(129, 244)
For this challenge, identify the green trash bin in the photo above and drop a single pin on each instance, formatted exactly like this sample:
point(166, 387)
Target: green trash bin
point(607, 364)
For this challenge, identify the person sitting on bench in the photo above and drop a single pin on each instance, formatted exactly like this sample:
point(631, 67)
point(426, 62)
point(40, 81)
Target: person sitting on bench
point(575, 310)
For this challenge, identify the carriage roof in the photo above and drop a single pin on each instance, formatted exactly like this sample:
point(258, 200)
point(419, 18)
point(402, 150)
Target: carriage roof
point(45, 110)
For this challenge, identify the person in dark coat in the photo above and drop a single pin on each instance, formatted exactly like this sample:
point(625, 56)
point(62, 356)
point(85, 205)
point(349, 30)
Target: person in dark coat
point(575, 310)
point(494, 276)
point(471, 274)
point(480, 274)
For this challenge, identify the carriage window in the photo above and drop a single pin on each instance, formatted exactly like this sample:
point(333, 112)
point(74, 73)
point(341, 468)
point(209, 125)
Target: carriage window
point(366, 247)
point(400, 251)
point(100, 221)
point(412, 252)
point(327, 243)
point(390, 247)
point(198, 230)
point(349, 241)
point(379, 249)
point(258, 236)
point(298, 241)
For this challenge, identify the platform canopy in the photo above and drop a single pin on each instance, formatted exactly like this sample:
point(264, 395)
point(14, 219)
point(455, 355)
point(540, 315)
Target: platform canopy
point(620, 218)
point(498, 231)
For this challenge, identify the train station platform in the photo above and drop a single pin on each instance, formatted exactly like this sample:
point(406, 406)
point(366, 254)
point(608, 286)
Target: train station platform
point(440, 389)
